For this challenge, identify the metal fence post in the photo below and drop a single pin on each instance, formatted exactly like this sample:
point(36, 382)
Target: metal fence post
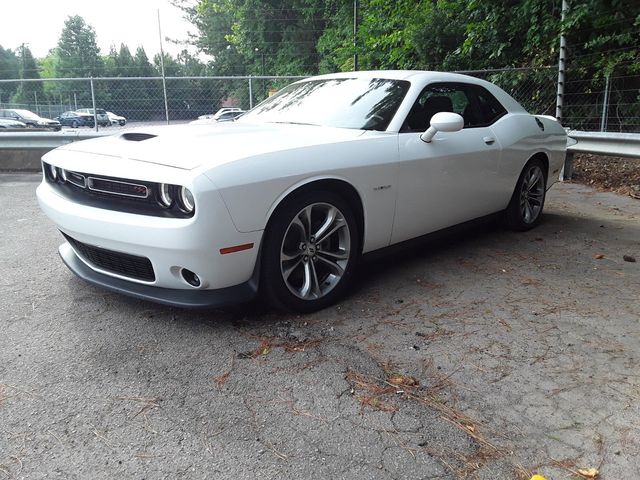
point(562, 62)
point(567, 170)
point(93, 102)
point(605, 106)
point(250, 93)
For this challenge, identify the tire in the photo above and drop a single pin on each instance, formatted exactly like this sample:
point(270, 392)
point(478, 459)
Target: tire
point(527, 202)
point(300, 272)
point(74, 124)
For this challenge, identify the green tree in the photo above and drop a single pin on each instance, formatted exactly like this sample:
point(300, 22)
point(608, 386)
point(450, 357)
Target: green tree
point(143, 67)
point(77, 50)
point(28, 92)
point(9, 69)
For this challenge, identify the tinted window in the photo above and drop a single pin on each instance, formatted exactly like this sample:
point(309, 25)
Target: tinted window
point(475, 104)
point(367, 104)
point(435, 98)
point(489, 108)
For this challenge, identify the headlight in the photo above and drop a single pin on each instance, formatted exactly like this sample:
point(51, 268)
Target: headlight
point(165, 194)
point(186, 200)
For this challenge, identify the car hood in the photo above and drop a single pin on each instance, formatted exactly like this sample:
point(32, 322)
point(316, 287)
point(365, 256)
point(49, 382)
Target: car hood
point(191, 146)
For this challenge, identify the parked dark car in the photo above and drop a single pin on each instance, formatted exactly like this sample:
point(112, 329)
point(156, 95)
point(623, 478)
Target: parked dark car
point(76, 119)
point(30, 119)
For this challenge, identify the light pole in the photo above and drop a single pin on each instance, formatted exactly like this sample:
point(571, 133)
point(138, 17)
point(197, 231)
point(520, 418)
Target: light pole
point(355, 35)
point(264, 85)
point(164, 78)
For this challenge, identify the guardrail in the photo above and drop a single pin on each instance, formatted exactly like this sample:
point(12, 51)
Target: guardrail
point(615, 144)
point(21, 151)
point(21, 140)
point(604, 143)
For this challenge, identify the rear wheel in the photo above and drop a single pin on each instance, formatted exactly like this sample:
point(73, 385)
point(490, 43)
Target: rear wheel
point(74, 124)
point(310, 252)
point(525, 209)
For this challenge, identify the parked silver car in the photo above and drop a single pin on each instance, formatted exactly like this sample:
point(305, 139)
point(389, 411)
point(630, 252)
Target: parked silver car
point(101, 115)
point(7, 123)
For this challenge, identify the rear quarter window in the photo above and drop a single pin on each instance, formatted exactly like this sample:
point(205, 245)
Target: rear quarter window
point(489, 108)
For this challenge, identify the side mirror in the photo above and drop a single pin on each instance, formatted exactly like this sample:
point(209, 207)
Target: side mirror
point(442, 122)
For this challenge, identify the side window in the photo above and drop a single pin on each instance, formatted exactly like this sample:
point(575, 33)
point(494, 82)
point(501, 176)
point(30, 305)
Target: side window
point(438, 97)
point(489, 109)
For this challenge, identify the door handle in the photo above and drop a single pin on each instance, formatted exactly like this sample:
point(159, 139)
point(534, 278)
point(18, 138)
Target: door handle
point(488, 140)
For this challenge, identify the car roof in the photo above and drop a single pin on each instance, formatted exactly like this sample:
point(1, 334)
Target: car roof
point(426, 76)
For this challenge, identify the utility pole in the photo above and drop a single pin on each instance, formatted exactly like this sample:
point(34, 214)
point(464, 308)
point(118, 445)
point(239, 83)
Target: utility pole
point(562, 62)
point(164, 80)
point(355, 35)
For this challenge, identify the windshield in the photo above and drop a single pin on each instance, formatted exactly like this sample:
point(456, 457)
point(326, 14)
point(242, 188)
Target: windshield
point(27, 114)
point(367, 104)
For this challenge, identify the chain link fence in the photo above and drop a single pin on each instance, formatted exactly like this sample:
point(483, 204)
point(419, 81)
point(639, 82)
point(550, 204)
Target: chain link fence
point(141, 100)
point(591, 104)
point(605, 104)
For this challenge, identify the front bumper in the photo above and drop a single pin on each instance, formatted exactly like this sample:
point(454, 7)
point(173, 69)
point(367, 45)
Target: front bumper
point(170, 244)
point(175, 297)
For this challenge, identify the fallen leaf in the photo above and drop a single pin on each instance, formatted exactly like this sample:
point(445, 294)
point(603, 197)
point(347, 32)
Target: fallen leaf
point(398, 379)
point(599, 256)
point(538, 477)
point(629, 258)
point(589, 472)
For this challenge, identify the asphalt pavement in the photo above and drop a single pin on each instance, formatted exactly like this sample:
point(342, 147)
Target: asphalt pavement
point(489, 355)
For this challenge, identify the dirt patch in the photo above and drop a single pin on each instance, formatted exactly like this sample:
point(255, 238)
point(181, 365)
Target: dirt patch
point(613, 174)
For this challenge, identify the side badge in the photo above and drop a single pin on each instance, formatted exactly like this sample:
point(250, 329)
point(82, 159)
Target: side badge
point(381, 187)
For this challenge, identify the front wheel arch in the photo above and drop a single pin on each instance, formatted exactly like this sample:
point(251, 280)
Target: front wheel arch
point(341, 187)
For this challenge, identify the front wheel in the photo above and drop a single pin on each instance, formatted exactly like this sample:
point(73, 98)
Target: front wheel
point(310, 252)
point(525, 209)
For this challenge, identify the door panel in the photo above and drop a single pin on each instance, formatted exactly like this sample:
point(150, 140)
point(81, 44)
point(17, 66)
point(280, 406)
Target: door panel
point(445, 182)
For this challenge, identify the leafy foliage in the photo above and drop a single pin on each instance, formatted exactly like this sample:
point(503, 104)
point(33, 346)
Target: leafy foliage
point(305, 36)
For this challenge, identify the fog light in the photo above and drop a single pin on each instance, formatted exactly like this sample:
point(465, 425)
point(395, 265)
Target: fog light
point(190, 277)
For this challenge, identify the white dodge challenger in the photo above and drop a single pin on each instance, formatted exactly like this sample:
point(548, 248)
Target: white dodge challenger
point(288, 197)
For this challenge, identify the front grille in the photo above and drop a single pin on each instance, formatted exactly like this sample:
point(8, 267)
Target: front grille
point(113, 193)
point(116, 187)
point(123, 264)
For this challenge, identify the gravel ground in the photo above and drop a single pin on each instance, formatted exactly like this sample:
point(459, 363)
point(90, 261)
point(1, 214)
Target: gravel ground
point(488, 355)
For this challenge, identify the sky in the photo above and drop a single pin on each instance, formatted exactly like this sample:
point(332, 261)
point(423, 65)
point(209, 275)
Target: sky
point(38, 23)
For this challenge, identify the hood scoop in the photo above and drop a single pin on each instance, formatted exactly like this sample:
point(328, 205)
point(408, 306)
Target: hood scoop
point(137, 137)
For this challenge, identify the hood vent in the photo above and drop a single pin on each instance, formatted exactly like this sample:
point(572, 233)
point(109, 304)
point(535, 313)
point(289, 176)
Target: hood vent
point(137, 137)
